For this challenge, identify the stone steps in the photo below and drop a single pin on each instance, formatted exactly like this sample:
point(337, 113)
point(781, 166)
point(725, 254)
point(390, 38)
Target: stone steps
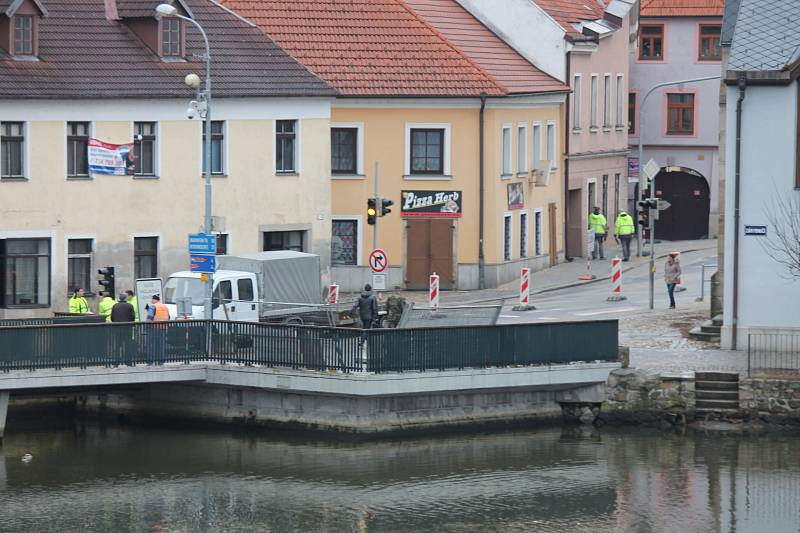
point(706, 331)
point(716, 393)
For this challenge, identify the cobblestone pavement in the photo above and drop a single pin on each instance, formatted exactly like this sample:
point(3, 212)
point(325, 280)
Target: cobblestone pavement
point(659, 342)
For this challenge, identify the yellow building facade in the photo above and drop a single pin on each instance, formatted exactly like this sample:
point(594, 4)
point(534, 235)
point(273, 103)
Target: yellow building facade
point(522, 190)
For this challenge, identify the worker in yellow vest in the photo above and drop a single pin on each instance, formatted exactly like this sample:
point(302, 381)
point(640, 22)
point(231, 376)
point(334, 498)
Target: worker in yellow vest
point(78, 303)
point(623, 232)
point(132, 300)
point(599, 225)
point(105, 305)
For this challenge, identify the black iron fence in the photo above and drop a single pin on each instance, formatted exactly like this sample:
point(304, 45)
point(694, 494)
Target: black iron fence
point(775, 354)
point(304, 347)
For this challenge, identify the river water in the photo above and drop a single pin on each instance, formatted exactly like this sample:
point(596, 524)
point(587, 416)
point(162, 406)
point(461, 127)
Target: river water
point(123, 478)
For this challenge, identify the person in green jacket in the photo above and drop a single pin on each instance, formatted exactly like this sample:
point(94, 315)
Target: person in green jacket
point(624, 230)
point(132, 301)
point(78, 303)
point(105, 305)
point(599, 225)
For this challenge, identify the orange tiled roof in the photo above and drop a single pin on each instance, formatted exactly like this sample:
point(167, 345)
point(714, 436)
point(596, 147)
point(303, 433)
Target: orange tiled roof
point(481, 45)
point(369, 47)
point(682, 8)
point(565, 12)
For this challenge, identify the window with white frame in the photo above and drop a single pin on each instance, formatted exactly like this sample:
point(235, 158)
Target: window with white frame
point(285, 146)
point(576, 102)
point(145, 257)
point(222, 243)
point(344, 242)
point(77, 149)
point(347, 149)
point(537, 146)
point(217, 146)
point(551, 145)
point(593, 114)
point(506, 166)
point(144, 148)
point(522, 149)
point(537, 232)
point(79, 264)
point(12, 150)
point(427, 151)
point(620, 101)
point(507, 237)
point(523, 234)
point(607, 101)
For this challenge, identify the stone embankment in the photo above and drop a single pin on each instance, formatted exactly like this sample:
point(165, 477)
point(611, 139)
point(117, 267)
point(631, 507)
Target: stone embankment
point(635, 397)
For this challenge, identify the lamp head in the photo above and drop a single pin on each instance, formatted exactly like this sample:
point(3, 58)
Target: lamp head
point(166, 10)
point(192, 80)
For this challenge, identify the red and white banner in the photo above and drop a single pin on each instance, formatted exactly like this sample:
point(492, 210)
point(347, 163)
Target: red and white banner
point(333, 294)
point(433, 293)
point(114, 159)
point(525, 286)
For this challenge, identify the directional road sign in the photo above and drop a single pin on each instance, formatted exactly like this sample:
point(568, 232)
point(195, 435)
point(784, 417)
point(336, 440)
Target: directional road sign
point(203, 263)
point(663, 205)
point(378, 260)
point(202, 243)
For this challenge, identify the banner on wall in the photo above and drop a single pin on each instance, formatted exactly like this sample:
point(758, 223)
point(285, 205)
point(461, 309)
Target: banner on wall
point(114, 159)
point(516, 196)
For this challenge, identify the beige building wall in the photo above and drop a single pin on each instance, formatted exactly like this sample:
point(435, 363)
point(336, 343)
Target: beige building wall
point(384, 139)
point(247, 200)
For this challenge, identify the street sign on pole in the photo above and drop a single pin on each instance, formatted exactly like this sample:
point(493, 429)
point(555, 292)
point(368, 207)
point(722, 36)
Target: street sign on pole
point(650, 170)
point(379, 282)
point(202, 243)
point(203, 263)
point(663, 205)
point(378, 260)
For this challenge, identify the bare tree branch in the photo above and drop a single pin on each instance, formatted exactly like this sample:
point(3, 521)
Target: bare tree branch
point(782, 243)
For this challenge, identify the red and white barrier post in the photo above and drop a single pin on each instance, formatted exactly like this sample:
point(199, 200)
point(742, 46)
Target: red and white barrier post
point(524, 291)
point(433, 292)
point(616, 281)
point(333, 293)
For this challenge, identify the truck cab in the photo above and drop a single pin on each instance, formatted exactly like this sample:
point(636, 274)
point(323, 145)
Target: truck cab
point(235, 295)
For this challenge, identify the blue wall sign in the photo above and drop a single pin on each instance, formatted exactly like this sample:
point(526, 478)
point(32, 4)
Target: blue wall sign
point(203, 263)
point(755, 230)
point(202, 243)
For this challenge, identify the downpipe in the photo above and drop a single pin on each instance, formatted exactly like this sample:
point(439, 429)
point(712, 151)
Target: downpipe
point(736, 193)
point(481, 257)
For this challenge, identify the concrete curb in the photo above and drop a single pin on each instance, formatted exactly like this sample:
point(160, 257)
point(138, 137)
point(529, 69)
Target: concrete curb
point(571, 284)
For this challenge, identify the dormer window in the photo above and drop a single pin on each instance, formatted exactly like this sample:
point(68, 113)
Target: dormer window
point(23, 35)
point(171, 38)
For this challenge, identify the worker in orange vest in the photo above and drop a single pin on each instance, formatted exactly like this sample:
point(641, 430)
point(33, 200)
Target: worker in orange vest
point(156, 334)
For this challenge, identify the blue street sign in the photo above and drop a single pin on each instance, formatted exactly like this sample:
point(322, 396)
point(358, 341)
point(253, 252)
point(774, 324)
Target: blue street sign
point(203, 263)
point(755, 230)
point(202, 243)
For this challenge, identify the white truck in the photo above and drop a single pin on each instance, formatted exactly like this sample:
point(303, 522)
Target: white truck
point(280, 286)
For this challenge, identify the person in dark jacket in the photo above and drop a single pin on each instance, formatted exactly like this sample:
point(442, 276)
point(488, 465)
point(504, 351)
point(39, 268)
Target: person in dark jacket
point(122, 312)
point(367, 306)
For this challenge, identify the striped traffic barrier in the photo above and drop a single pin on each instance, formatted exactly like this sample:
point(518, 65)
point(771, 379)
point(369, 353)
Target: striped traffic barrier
point(433, 292)
point(333, 293)
point(616, 281)
point(524, 291)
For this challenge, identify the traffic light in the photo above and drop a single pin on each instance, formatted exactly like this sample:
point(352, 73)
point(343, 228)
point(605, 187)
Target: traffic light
point(643, 219)
point(372, 211)
point(648, 204)
point(385, 205)
point(107, 281)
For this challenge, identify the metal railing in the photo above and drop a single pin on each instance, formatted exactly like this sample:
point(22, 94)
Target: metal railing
point(304, 347)
point(775, 354)
point(58, 318)
point(703, 280)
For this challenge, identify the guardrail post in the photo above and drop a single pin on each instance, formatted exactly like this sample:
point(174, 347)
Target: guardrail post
point(748, 355)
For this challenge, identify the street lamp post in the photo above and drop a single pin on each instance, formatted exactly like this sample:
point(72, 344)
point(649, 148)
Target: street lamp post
point(651, 215)
point(203, 108)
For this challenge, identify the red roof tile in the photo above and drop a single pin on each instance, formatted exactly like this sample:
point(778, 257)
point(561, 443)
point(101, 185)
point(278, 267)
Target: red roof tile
point(682, 8)
point(485, 48)
point(567, 12)
point(369, 47)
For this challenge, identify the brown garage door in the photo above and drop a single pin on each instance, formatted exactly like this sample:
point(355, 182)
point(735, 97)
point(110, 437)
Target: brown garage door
point(429, 249)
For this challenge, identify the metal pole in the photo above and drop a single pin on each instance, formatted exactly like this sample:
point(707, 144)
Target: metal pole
point(653, 181)
point(207, 308)
point(377, 207)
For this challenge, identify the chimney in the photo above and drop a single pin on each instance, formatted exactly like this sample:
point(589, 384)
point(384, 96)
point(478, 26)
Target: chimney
point(111, 10)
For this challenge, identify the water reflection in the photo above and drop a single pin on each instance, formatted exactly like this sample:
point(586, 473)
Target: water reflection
point(138, 479)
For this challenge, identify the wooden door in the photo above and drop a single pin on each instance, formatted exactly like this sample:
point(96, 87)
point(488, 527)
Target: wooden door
point(552, 232)
point(429, 249)
point(576, 227)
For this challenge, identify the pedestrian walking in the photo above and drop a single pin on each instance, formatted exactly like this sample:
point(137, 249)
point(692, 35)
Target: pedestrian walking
point(123, 336)
point(78, 303)
point(599, 225)
point(105, 306)
point(367, 306)
point(623, 232)
point(132, 300)
point(156, 333)
point(672, 274)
